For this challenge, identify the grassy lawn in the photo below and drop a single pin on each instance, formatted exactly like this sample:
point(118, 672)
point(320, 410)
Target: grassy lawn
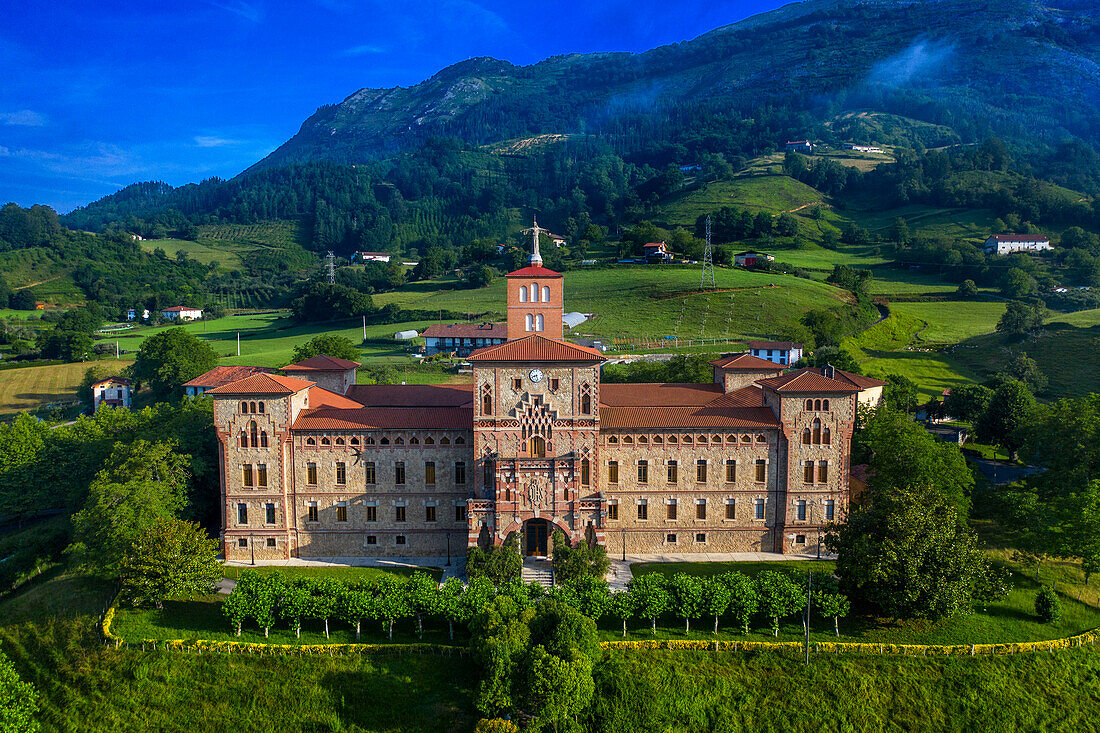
point(953, 321)
point(28, 387)
point(336, 572)
point(1012, 619)
point(55, 595)
point(773, 193)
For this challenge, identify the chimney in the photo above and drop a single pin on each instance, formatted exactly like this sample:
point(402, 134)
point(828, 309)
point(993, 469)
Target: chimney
point(828, 371)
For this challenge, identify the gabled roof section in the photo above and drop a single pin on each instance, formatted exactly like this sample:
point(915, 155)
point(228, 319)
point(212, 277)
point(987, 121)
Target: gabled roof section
point(266, 384)
point(222, 375)
point(322, 363)
point(112, 380)
point(319, 397)
point(394, 418)
point(861, 381)
point(534, 271)
point(536, 348)
point(660, 394)
point(746, 362)
point(412, 395)
point(689, 418)
point(807, 380)
point(780, 345)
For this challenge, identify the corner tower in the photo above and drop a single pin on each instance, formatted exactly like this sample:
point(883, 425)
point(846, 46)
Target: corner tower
point(535, 298)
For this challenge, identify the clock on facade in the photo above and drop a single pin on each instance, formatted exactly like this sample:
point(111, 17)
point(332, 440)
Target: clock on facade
point(536, 375)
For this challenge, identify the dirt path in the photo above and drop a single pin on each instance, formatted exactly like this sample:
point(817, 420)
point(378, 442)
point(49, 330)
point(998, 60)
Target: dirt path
point(803, 206)
point(40, 282)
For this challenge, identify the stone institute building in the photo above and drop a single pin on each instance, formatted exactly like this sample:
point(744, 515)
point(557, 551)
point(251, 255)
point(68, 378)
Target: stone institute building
point(313, 465)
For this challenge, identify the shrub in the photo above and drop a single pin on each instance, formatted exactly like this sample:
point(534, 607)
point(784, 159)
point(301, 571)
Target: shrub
point(1047, 605)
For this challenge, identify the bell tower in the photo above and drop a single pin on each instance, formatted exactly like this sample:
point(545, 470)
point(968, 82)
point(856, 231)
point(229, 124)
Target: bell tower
point(535, 298)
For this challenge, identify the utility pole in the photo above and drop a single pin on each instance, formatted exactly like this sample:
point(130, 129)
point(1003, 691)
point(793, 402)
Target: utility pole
point(330, 266)
point(238, 343)
point(708, 262)
point(809, 589)
point(364, 328)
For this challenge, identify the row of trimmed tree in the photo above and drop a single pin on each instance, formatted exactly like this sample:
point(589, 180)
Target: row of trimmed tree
point(267, 600)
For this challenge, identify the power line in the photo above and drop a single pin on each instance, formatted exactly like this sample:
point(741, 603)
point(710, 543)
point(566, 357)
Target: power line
point(708, 262)
point(330, 266)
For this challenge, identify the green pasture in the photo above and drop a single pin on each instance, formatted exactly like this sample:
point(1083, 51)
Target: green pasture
point(772, 193)
point(954, 320)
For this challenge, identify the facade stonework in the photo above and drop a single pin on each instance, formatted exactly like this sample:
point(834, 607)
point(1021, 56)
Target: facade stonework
point(756, 461)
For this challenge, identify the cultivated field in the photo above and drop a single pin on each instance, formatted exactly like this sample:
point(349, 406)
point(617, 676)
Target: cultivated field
point(28, 387)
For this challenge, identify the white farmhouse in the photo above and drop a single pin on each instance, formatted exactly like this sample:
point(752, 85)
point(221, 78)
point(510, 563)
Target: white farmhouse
point(1003, 244)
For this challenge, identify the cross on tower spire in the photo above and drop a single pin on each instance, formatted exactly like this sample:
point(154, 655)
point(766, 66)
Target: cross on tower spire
point(535, 230)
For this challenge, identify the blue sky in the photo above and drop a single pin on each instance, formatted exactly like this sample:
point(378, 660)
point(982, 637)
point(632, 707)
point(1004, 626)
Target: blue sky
point(95, 95)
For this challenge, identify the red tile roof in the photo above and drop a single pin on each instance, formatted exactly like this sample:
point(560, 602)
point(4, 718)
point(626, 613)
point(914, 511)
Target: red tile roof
point(536, 348)
point(270, 384)
point(467, 331)
point(179, 308)
point(322, 363)
point(658, 394)
point(747, 362)
point(319, 397)
point(861, 381)
point(807, 380)
point(687, 417)
point(220, 375)
point(378, 418)
point(111, 380)
point(1018, 238)
point(534, 271)
point(412, 395)
point(781, 345)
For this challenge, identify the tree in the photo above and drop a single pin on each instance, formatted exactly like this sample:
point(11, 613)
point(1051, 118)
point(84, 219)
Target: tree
point(1008, 416)
point(324, 594)
point(1017, 284)
point(1025, 369)
point(235, 609)
point(786, 225)
point(23, 300)
point(140, 485)
point(744, 598)
point(967, 289)
point(480, 276)
point(1020, 318)
point(900, 393)
point(715, 598)
point(651, 597)
point(779, 596)
point(64, 345)
point(423, 596)
point(293, 605)
point(326, 302)
point(1048, 607)
point(18, 701)
point(352, 606)
point(557, 689)
point(391, 603)
point(832, 605)
point(583, 561)
point(621, 605)
point(593, 596)
point(169, 559)
point(687, 597)
point(328, 344)
point(167, 360)
point(968, 402)
point(905, 551)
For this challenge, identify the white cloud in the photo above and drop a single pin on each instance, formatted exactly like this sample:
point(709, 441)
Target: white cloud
point(362, 50)
point(249, 11)
point(23, 118)
point(212, 141)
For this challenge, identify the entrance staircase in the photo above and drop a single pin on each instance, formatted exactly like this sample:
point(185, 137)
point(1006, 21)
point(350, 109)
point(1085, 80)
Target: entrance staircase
point(538, 570)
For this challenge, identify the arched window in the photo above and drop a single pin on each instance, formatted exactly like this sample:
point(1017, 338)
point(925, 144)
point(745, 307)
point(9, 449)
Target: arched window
point(244, 408)
point(536, 446)
point(545, 293)
point(809, 405)
point(263, 438)
point(486, 400)
point(540, 325)
point(586, 398)
point(817, 404)
point(254, 432)
point(244, 438)
point(825, 405)
point(523, 295)
point(817, 432)
point(534, 292)
point(252, 407)
point(530, 322)
point(827, 436)
point(261, 406)
point(806, 438)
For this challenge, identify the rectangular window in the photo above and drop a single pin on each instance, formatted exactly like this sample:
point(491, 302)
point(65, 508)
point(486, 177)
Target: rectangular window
point(460, 513)
point(371, 476)
point(643, 511)
point(643, 471)
point(701, 470)
point(246, 476)
point(372, 514)
point(312, 514)
point(311, 474)
point(612, 472)
point(761, 471)
point(672, 509)
point(673, 473)
point(269, 513)
point(261, 475)
point(270, 541)
point(460, 472)
point(670, 538)
point(701, 509)
point(399, 473)
point(517, 383)
point(823, 472)
point(808, 472)
point(242, 542)
point(341, 473)
point(758, 508)
point(700, 536)
point(487, 473)
point(429, 514)
point(399, 514)
point(586, 472)
point(800, 539)
point(830, 510)
point(242, 514)
point(612, 511)
point(372, 539)
point(800, 509)
point(731, 471)
point(731, 509)
point(429, 472)
point(400, 539)
point(341, 511)
point(554, 384)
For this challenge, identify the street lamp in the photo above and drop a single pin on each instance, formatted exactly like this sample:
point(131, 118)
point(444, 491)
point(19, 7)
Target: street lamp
point(623, 531)
point(448, 549)
point(252, 546)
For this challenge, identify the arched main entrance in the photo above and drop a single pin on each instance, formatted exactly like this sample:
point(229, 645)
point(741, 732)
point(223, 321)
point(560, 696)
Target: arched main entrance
point(536, 537)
